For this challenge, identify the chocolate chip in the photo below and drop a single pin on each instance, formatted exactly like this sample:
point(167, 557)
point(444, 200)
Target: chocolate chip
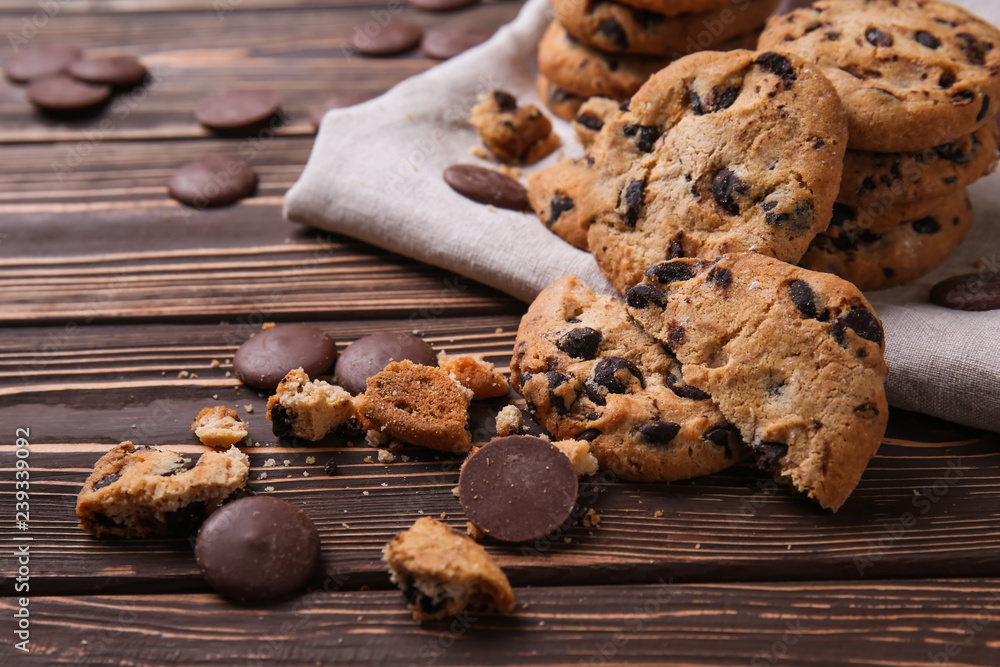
point(212, 182)
point(367, 356)
point(581, 343)
point(800, 218)
point(505, 101)
point(876, 37)
point(985, 110)
point(726, 98)
point(590, 122)
point(947, 80)
point(973, 49)
point(107, 480)
point(769, 454)
point(686, 391)
point(608, 373)
point(695, 101)
point(593, 393)
point(624, 105)
point(867, 410)
point(670, 272)
point(969, 291)
point(647, 19)
point(862, 321)
point(725, 186)
point(517, 488)
point(675, 335)
point(330, 468)
point(634, 197)
point(257, 549)
point(486, 186)
point(952, 152)
point(236, 110)
point(927, 39)
point(778, 65)
point(804, 298)
point(264, 360)
point(187, 519)
point(391, 39)
point(418, 598)
point(589, 435)
point(720, 277)
point(179, 467)
point(556, 380)
point(612, 63)
point(641, 296)
point(659, 432)
point(613, 31)
point(560, 204)
point(963, 96)
point(105, 520)
point(926, 225)
point(644, 135)
point(675, 250)
point(282, 421)
point(722, 434)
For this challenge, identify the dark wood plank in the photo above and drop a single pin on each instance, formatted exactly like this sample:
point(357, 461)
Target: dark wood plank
point(881, 623)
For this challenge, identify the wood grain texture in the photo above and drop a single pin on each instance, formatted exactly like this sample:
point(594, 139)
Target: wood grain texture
point(813, 624)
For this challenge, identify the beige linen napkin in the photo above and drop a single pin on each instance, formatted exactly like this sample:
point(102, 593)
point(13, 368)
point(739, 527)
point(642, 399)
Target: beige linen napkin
point(375, 174)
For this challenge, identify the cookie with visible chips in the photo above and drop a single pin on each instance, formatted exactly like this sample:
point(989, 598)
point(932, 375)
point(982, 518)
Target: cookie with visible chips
point(561, 102)
point(793, 358)
point(589, 372)
point(911, 73)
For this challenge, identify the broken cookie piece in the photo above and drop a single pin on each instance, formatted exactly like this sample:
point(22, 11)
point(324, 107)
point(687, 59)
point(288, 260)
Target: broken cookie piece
point(509, 421)
point(219, 427)
point(475, 374)
point(137, 491)
point(515, 135)
point(578, 452)
point(442, 572)
point(307, 408)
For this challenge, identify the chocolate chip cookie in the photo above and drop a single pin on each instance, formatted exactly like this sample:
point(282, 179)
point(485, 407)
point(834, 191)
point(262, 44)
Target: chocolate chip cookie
point(589, 372)
point(911, 73)
point(905, 252)
point(560, 195)
point(618, 28)
point(792, 357)
point(591, 117)
point(674, 7)
point(720, 152)
point(561, 102)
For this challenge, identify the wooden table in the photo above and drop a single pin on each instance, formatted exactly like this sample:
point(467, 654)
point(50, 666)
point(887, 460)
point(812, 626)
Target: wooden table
point(117, 303)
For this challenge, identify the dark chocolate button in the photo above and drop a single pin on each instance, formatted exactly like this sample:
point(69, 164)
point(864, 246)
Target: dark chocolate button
point(517, 488)
point(391, 39)
point(262, 361)
point(450, 39)
point(257, 549)
point(367, 356)
point(119, 71)
point(440, 5)
point(336, 102)
point(61, 92)
point(234, 110)
point(969, 291)
point(33, 62)
point(212, 182)
point(486, 186)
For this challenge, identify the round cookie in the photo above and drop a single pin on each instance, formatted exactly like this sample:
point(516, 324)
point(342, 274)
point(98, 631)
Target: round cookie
point(554, 194)
point(792, 357)
point(593, 114)
point(561, 102)
point(588, 372)
point(739, 151)
point(875, 181)
point(904, 253)
point(911, 73)
point(675, 7)
point(617, 28)
point(859, 222)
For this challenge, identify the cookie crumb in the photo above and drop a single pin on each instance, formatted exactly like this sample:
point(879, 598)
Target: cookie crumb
point(214, 364)
point(509, 421)
point(592, 519)
point(267, 325)
point(229, 374)
point(368, 459)
point(330, 468)
point(578, 452)
point(385, 456)
point(310, 460)
point(498, 330)
point(376, 438)
point(269, 488)
point(182, 374)
point(219, 426)
point(474, 532)
point(270, 463)
point(263, 475)
point(658, 513)
point(474, 373)
point(443, 516)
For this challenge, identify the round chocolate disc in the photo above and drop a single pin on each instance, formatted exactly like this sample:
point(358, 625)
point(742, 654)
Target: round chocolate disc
point(374, 39)
point(486, 186)
point(237, 109)
point(37, 61)
point(969, 291)
point(61, 92)
point(212, 182)
point(518, 488)
point(336, 102)
point(120, 71)
point(440, 5)
point(257, 549)
point(367, 356)
point(262, 361)
point(450, 39)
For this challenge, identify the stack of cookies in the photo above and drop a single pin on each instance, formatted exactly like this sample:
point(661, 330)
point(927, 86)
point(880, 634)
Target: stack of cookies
point(600, 48)
point(919, 82)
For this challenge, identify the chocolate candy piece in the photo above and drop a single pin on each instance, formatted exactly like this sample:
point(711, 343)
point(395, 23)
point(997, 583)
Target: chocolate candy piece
point(335, 102)
point(450, 39)
point(235, 110)
point(61, 92)
point(440, 5)
point(119, 71)
point(367, 356)
point(517, 488)
point(969, 291)
point(262, 361)
point(387, 40)
point(212, 182)
point(486, 186)
point(257, 549)
point(36, 61)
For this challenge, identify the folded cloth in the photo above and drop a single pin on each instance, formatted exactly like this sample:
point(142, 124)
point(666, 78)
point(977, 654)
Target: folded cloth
point(375, 174)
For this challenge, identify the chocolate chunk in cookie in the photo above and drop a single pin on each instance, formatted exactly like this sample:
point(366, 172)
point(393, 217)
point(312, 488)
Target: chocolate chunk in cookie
point(514, 134)
point(308, 409)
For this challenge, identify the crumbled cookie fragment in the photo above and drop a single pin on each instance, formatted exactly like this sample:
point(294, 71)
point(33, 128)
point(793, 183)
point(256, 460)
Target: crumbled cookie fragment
point(593, 114)
point(385, 456)
point(376, 438)
point(578, 451)
point(513, 134)
point(475, 374)
point(137, 491)
point(307, 408)
point(421, 405)
point(219, 426)
point(442, 572)
point(509, 421)
point(471, 529)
